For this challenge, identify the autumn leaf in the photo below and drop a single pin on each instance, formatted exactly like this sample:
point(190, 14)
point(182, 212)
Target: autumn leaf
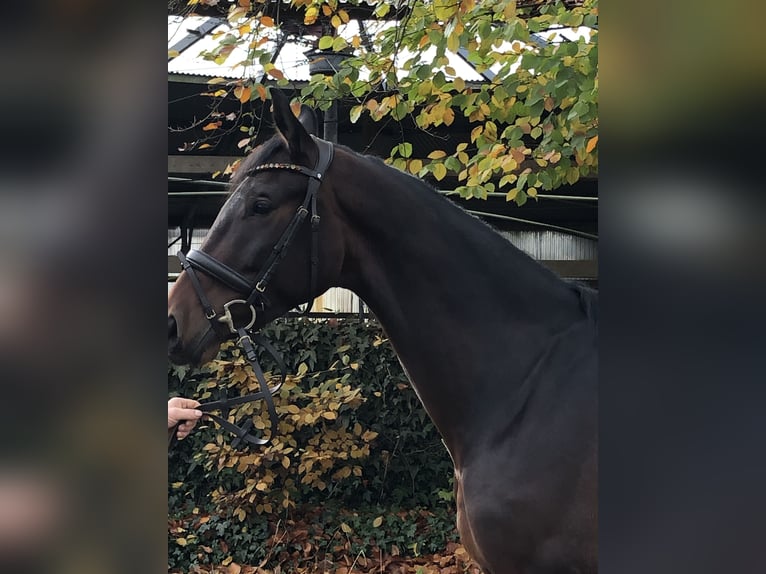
point(354, 114)
point(591, 145)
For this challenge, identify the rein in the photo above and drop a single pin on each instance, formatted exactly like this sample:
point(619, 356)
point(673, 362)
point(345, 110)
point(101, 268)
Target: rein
point(197, 260)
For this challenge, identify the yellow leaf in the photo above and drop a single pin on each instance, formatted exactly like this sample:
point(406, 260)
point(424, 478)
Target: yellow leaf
point(286, 462)
point(173, 53)
point(326, 10)
point(369, 435)
point(217, 81)
point(440, 171)
point(345, 528)
point(311, 15)
point(415, 166)
point(591, 144)
point(181, 541)
point(343, 15)
point(437, 154)
point(532, 192)
point(356, 41)
point(453, 43)
point(377, 522)
point(449, 116)
point(335, 21)
point(459, 84)
point(330, 416)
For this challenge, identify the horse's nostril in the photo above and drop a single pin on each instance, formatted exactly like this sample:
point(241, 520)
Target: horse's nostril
point(174, 343)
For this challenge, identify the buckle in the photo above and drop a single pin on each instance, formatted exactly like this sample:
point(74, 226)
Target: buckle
point(228, 320)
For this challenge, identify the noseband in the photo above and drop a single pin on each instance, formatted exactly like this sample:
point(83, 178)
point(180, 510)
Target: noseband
point(254, 293)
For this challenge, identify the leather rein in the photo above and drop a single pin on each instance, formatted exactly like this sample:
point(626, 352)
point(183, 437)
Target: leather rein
point(197, 260)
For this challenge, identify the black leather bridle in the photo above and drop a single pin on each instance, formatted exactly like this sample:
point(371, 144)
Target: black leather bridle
point(255, 290)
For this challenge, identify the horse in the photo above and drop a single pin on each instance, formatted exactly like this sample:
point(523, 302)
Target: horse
point(501, 352)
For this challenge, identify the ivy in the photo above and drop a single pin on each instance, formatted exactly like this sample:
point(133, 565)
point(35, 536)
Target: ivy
point(353, 435)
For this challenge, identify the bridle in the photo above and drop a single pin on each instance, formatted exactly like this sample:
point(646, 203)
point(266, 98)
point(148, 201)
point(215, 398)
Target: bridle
point(197, 260)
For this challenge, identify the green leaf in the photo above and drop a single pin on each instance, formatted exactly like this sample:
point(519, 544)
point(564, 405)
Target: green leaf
point(445, 9)
point(405, 149)
point(382, 10)
point(325, 42)
point(339, 43)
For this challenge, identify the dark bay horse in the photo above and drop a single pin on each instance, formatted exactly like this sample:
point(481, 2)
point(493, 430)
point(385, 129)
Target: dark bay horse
point(501, 352)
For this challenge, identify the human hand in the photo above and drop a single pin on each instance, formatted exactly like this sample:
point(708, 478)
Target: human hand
point(182, 409)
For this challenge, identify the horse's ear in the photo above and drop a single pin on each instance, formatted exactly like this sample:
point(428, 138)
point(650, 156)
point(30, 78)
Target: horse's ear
point(308, 118)
point(296, 131)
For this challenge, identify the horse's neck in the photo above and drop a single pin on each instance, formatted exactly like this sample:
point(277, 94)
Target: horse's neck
point(460, 304)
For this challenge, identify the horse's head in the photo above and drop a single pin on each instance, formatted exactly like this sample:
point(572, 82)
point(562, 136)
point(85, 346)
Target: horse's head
point(268, 191)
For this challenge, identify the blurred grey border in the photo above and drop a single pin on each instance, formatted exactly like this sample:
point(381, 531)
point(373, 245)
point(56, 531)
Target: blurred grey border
point(82, 211)
point(682, 381)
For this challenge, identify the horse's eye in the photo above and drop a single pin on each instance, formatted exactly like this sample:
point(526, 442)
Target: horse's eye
point(261, 206)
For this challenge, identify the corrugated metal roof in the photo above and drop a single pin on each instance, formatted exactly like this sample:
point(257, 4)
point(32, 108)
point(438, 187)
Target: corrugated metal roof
point(291, 60)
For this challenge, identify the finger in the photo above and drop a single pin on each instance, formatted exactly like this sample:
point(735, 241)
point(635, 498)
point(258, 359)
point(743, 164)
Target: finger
point(176, 414)
point(188, 403)
point(187, 426)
